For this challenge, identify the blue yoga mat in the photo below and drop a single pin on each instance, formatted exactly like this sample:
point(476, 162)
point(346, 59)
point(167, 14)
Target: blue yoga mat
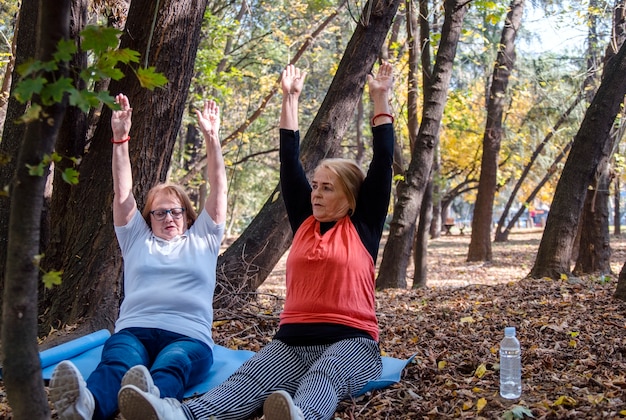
point(85, 352)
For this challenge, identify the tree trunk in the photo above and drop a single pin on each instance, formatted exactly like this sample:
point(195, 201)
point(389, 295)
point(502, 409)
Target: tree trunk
point(480, 243)
point(13, 132)
point(85, 245)
point(436, 223)
point(590, 145)
point(619, 34)
point(360, 136)
point(420, 248)
point(21, 367)
point(617, 214)
point(251, 258)
point(594, 252)
point(71, 143)
point(410, 190)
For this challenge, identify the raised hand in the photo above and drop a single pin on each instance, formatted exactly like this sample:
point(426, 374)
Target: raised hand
point(292, 80)
point(121, 120)
point(209, 119)
point(383, 82)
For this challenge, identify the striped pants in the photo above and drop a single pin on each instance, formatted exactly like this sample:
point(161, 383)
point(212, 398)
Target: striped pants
point(317, 377)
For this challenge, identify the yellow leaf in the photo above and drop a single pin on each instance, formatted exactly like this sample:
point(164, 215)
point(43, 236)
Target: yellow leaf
point(480, 404)
point(467, 405)
point(219, 323)
point(572, 343)
point(481, 370)
point(442, 364)
point(565, 400)
point(467, 319)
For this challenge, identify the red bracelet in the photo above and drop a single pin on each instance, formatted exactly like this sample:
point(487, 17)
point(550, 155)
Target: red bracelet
point(121, 141)
point(382, 115)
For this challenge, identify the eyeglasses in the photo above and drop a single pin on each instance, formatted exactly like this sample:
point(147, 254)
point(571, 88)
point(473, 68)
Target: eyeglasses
point(176, 213)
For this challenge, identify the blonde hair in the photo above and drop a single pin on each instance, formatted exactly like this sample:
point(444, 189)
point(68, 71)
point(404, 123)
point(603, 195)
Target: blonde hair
point(171, 190)
point(350, 177)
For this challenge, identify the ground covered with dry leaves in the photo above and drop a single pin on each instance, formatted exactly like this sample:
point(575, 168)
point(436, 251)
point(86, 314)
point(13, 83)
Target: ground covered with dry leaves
point(572, 333)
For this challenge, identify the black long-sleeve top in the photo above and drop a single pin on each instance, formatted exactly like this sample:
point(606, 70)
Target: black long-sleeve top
point(373, 198)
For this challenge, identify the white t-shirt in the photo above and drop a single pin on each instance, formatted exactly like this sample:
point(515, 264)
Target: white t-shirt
point(170, 284)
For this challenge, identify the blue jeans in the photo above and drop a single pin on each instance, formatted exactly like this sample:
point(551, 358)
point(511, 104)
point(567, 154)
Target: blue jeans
point(175, 362)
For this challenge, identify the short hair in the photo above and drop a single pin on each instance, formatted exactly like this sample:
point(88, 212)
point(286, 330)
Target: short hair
point(350, 177)
point(172, 190)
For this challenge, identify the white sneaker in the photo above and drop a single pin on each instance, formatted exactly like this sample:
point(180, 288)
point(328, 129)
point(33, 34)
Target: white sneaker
point(69, 393)
point(136, 404)
point(139, 376)
point(280, 406)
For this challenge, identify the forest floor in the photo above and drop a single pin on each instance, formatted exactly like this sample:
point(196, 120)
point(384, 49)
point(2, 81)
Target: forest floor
point(572, 332)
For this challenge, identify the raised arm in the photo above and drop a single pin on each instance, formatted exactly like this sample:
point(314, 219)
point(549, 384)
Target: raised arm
point(209, 123)
point(380, 90)
point(291, 82)
point(124, 205)
point(294, 184)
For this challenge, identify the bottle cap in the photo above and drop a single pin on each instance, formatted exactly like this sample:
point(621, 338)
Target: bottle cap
point(509, 331)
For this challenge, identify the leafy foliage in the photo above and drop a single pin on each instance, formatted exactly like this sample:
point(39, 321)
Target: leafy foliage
point(39, 82)
point(69, 175)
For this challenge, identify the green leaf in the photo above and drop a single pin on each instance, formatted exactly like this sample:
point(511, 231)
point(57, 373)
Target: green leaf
point(52, 278)
point(517, 412)
point(114, 73)
point(54, 92)
point(25, 89)
point(65, 50)
point(125, 55)
point(35, 170)
point(76, 99)
point(84, 99)
point(150, 79)
point(49, 66)
point(108, 100)
point(70, 175)
point(99, 38)
point(28, 67)
point(104, 71)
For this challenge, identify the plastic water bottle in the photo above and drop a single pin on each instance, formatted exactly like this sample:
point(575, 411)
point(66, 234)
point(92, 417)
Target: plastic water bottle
point(510, 365)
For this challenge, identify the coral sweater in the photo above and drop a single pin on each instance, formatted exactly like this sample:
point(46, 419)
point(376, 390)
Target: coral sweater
point(330, 278)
